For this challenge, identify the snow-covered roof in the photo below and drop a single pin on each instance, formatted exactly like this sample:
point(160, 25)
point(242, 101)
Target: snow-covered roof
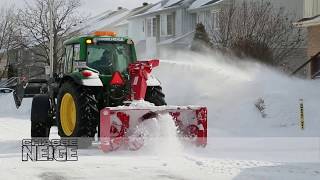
point(201, 3)
point(103, 20)
point(307, 22)
point(134, 12)
point(172, 3)
point(110, 19)
point(163, 5)
point(155, 8)
point(121, 23)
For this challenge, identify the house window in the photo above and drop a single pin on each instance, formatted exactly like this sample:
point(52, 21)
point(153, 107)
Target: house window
point(167, 23)
point(170, 24)
point(143, 24)
point(163, 24)
point(151, 27)
point(207, 15)
point(68, 59)
point(154, 27)
point(215, 20)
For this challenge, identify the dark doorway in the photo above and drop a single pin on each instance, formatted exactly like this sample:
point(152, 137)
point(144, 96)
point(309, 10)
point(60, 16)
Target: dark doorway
point(315, 66)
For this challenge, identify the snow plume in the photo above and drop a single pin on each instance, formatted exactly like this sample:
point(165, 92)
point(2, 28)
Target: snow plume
point(231, 87)
point(159, 133)
point(160, 136)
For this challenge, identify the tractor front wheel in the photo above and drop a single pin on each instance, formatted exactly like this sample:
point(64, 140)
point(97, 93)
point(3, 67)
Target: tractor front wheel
point(40, 121)
point(77, 113)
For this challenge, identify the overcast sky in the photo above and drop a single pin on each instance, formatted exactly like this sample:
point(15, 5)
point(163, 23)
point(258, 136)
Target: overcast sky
point(102, 5)
point(92, 6)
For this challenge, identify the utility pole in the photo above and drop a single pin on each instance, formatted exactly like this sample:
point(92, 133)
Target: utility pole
point(51, 36)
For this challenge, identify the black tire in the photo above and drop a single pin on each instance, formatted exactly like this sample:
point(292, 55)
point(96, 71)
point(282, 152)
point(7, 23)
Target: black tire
point(40, 120)
point(87, 114)
point(155, 95)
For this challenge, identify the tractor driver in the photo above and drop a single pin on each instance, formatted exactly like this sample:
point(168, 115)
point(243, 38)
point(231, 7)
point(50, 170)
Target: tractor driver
point(106, 58)
point(104, 65)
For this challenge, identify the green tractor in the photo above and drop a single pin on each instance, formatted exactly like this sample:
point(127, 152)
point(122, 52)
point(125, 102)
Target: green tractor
point(98, 71)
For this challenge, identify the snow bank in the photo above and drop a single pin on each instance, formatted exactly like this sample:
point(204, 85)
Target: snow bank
point(230, 90)
point(8, 107)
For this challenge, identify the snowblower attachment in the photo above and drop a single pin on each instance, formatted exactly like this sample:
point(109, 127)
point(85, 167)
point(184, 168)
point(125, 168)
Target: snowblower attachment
point(118, 124)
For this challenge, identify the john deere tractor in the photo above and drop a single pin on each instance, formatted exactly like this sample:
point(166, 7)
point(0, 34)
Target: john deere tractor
point(94, 90)
point(93, 75)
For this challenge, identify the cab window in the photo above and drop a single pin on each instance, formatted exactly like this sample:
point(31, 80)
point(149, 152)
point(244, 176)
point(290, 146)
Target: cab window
point(76, 52)
point(109, 57)
point(68, 60)
point(72, 54)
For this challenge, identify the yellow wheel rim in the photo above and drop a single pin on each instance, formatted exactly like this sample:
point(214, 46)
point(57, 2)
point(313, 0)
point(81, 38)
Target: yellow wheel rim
point(68, 114)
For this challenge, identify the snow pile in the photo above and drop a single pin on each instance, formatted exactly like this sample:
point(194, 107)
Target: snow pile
point(8, 107)
point(230, 91)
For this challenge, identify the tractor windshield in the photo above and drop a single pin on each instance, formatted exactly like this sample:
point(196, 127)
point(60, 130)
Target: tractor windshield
point(108, 58)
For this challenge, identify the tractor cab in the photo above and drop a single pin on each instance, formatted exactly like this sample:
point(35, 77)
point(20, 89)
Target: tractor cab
point(100, 60)
point(102, 51)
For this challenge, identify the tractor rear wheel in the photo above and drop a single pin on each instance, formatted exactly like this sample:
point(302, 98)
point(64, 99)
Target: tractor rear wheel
point(77, 113)
point(155, 95)
point(40, 121)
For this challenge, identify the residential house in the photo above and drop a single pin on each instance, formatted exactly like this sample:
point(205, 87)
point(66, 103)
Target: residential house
point(170, 24)
point(122, 27)
point(114, 20)
point(207, 10)
point(207, 13)
point(166, 25)
point(311, 22)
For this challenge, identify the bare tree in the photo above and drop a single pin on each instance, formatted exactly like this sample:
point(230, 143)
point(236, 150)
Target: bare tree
point(8, 34)
point(34, 22)
point(255, 28)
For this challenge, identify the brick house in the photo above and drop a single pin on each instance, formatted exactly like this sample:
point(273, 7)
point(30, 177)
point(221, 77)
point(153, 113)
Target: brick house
point(311, 22)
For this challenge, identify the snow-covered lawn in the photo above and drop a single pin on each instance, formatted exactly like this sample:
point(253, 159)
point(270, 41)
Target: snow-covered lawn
point(242, 145)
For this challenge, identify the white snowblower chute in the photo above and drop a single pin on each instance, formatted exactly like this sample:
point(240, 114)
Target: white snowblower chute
point(118, 124)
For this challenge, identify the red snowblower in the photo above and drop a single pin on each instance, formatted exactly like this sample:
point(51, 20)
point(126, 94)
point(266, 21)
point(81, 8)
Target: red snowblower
point(118, 124)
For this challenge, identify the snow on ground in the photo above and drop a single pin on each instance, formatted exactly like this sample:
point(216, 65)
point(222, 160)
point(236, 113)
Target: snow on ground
point(242, 144)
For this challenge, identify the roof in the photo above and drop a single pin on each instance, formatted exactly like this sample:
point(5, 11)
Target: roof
point(203, 3)
point(309, 21)
point(105, 19)
point(171, 3)
point(165, 5)
point(134, 12)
